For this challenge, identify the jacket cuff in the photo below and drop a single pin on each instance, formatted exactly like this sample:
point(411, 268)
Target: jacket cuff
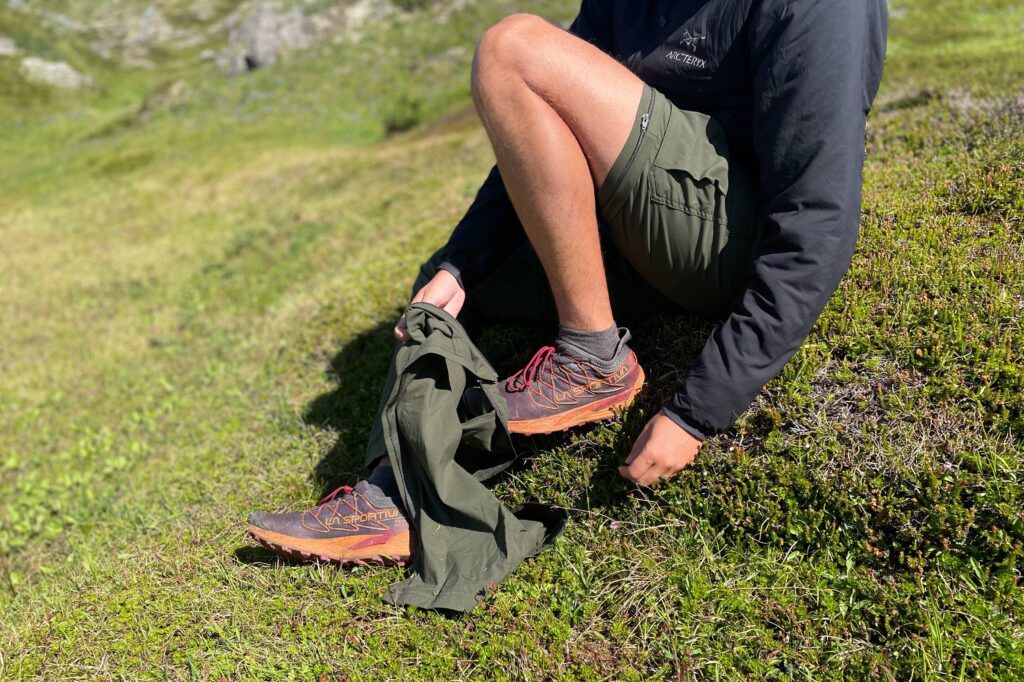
point(452, 270)
point(683, 422)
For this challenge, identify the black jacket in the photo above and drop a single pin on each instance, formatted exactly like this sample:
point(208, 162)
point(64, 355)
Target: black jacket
point(791, 82)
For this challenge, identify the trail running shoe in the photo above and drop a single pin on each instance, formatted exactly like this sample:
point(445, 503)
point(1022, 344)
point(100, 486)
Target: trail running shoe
point(556, 391)
point(361, 525)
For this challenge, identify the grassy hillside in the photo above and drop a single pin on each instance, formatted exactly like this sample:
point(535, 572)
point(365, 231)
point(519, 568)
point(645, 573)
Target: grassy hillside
point(197, 281)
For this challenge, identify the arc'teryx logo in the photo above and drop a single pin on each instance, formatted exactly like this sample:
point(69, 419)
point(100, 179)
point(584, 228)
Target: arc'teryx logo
point(687, 58)
point(689, 41)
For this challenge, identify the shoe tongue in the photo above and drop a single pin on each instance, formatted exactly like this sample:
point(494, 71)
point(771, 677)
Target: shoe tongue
point(368, 490)
point(376, 493)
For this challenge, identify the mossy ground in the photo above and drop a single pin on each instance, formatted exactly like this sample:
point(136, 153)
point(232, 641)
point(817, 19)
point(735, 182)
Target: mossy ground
point(196, 300)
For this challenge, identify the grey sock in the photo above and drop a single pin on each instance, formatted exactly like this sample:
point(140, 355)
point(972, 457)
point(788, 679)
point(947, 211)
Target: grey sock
point(601, 344)
point(604, 349)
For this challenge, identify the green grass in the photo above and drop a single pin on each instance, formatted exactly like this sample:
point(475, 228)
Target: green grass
point(196, 301)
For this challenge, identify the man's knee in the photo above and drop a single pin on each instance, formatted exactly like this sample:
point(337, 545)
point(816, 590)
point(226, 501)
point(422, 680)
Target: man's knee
point(505, 48)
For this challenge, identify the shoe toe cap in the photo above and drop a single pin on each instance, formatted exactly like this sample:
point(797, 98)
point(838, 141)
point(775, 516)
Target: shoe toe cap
point(258, 519)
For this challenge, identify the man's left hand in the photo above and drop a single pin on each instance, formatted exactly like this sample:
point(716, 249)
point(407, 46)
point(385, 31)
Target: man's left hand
point(662, 451)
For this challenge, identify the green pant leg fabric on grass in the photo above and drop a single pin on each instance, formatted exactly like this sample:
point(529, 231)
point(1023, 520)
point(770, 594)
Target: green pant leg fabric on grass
point(468, 541)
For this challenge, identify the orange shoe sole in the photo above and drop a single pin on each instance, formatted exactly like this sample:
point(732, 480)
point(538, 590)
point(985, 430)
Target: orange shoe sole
point(584, 414)
point(342, 551)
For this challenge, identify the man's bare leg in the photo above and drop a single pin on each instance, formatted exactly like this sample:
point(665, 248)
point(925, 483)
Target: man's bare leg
point(558, 111)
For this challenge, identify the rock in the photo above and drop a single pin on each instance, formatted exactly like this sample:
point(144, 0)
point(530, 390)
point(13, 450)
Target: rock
point(203, 11)
point(361, 11)
point(8, 48)
point(57, 74)
point(151, 28)
point(259, 34)
point(130, 36)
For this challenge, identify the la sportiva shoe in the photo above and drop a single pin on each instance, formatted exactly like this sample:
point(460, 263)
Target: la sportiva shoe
point(556, 391)
point(360, 525)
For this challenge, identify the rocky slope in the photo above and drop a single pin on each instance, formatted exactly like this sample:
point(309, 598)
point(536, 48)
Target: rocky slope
point(67, 45)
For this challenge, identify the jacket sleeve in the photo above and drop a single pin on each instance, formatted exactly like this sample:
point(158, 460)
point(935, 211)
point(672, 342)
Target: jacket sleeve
point(816, 66)
point(490, 230)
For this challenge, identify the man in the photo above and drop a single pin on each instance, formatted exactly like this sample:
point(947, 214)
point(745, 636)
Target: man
point(660, 157)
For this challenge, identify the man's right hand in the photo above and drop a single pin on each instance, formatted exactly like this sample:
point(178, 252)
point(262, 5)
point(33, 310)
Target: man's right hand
point(443, 291)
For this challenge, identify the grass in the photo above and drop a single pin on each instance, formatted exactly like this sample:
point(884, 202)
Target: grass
point(196, 301)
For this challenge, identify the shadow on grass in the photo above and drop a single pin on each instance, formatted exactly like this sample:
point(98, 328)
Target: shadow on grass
point(248, 554)
point(359, 371)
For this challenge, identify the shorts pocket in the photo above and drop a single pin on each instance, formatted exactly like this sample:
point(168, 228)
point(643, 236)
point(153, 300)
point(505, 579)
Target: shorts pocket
point(677, 188)
point(690, 172)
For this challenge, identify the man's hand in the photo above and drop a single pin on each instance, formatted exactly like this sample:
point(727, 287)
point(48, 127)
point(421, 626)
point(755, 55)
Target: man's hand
point(662, 451)
point(443, 291)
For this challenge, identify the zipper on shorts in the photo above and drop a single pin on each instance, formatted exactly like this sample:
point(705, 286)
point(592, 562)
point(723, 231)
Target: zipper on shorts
point(645, 120)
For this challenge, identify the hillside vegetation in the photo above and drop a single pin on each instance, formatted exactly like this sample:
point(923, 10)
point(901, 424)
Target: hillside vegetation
point(199, 271)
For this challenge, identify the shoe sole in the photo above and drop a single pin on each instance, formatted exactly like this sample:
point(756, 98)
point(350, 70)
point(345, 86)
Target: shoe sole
point(394, 552)
point(584, 414)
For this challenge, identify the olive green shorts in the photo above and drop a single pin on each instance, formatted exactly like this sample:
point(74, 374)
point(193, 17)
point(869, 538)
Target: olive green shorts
point(680, 209)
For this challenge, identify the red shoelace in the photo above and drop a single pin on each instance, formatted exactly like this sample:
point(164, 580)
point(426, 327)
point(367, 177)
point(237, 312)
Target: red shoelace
point(329, 503)
point(333, 494)
point(521, 380)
